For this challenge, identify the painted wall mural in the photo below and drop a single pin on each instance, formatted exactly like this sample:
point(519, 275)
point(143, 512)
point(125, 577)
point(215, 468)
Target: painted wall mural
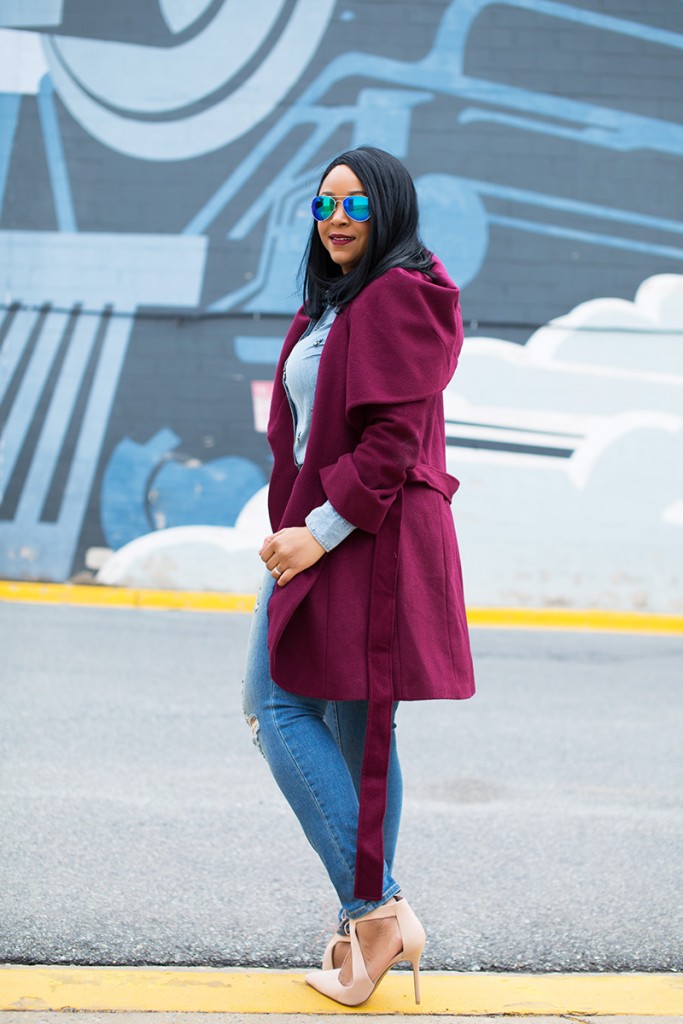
point(157, 158)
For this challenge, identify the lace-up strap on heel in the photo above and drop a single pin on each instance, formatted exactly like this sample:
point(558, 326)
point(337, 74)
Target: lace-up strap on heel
point(339, 938)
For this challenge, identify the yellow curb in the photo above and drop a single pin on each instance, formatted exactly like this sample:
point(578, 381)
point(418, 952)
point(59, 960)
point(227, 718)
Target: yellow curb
point(206, 601)
point(125, 597)
point(103, 989)
point(576, 619)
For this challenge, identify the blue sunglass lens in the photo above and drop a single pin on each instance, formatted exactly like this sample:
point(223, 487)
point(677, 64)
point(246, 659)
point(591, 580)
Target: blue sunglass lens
point(356, 207)
point(323, 207)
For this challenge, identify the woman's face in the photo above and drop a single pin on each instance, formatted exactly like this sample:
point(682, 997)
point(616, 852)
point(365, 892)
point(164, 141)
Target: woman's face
point(345, 239)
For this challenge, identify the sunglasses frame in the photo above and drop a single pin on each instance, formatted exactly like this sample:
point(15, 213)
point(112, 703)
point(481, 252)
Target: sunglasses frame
point(342, 200)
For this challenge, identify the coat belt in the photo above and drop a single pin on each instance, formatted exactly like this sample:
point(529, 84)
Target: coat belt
point(373, 786)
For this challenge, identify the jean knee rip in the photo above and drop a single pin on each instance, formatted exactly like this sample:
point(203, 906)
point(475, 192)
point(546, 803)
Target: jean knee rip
point(253, 723)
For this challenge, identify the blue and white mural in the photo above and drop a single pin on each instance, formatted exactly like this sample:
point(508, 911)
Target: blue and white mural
point(157, 158)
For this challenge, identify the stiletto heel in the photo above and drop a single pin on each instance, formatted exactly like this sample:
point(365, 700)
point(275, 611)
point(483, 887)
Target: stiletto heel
point(362, 986)
point(416, 979)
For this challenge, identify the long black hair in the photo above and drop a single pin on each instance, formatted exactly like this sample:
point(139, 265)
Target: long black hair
point(393, 241)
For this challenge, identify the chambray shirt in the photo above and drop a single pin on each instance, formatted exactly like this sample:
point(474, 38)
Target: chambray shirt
point(299, 377)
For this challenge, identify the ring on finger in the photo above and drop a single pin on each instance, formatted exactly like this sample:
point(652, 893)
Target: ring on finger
point(277, 570)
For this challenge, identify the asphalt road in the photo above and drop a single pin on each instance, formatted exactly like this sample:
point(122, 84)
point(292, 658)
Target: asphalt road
point(542, 823)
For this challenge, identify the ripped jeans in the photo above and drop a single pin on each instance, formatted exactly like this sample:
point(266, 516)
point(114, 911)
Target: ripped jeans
point(314, 749)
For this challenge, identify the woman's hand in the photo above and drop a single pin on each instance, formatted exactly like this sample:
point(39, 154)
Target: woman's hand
point(288, 552)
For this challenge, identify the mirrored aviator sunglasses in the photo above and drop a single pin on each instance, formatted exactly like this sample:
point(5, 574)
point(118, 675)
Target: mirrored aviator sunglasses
point(356, 207)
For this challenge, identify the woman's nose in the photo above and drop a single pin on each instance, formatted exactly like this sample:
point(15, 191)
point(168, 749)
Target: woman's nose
point(339, 216)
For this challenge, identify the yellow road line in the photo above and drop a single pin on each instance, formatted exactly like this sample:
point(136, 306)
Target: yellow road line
point(206, 601)
point(206, 990)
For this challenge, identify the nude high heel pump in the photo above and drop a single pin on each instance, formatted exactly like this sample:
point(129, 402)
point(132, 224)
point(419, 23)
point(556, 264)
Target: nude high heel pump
point(362, 986)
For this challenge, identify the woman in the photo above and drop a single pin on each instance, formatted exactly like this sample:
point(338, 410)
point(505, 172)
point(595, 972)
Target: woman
point(362, 605)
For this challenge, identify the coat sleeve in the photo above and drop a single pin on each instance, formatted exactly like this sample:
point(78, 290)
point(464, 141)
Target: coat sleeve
point(402, 351)
point(363, 484)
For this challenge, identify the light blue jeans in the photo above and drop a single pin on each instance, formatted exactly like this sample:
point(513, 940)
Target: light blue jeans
point(314, 749)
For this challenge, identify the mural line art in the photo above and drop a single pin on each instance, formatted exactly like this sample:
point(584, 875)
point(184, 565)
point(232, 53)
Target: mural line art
point(67, 365)
point(184, 101)
point(142, 100)
point(452, 208)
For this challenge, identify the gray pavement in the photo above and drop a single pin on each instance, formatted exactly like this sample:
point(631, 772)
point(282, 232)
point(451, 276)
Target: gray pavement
point(542, 820)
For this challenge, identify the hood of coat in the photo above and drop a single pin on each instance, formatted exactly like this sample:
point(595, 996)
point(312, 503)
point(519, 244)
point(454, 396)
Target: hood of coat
point(444, 299)
point(405, 336)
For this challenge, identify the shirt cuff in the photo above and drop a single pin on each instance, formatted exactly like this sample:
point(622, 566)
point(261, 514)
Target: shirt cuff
point(327, 526)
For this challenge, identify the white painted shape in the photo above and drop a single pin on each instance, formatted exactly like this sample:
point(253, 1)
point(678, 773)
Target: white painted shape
point(603, 528)
point(254, 519)
point(22, 62)
point(97, 557)
point(674, 513)
point(644, 346)
point(214, 558)
point(212, 128)
point(572, 399)
point(196, 557)
point(530, 538)
point(587, 455)
point(508, 435)
point(503, 416)
point(159, 79)
point(661, 298)
point(490, 457)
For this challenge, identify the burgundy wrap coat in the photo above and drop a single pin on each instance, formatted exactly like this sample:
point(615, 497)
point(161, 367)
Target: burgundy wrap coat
point(382, 616)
